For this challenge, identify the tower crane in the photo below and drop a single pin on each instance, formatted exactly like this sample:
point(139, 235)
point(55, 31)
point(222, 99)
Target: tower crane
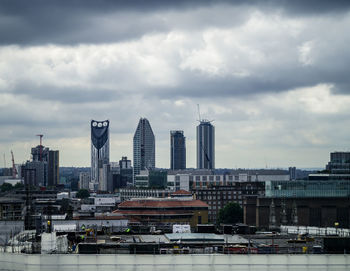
point(14, 170)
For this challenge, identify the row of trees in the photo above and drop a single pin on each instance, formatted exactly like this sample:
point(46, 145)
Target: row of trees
point(6, 187)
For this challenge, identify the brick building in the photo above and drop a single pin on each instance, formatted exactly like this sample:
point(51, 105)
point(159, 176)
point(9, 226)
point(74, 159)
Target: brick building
point(320, 212)
point(166, 210)
point(218, 196)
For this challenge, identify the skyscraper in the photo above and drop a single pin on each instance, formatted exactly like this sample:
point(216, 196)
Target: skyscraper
point(53, 175)
point(144, 147)
point(99, 149)
point(177, 150)
point(205, 145)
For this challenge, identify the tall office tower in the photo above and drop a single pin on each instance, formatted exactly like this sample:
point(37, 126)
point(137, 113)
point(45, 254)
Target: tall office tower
point(53, 164)
point(177, 150)
point(99, 149)
point(205, 145)
point(144, 147)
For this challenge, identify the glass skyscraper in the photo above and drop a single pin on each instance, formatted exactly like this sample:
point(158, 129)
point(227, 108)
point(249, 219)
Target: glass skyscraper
point(205, 145)
point(99, 149)
point(177, 150)
point(144, 147)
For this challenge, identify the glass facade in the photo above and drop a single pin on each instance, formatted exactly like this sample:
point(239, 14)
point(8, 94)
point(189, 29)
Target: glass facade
point(205, 145)
point(307, 189)
point(144, 147)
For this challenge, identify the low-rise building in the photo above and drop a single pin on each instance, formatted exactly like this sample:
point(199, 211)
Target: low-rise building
point(129, 193)
point(11, 209)
point(218, 196)
point(157, 211)
point(306, 203)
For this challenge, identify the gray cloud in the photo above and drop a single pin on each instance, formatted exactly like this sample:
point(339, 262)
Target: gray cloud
point(273, 75)
point(88, 21)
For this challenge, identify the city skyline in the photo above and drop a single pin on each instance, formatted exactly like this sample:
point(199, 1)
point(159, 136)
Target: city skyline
point(272, 74)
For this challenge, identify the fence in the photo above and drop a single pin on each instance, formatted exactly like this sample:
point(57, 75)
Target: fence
point(174, 262)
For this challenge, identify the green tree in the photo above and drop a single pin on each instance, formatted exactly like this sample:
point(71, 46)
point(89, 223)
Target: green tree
point(230, 214)
point(5, 187)
point(83, 194)
point(19, 186)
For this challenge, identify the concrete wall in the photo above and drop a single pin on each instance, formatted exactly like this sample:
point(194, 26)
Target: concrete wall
point(174, 262)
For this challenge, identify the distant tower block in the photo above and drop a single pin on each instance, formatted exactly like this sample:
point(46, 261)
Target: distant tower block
point(177, 150)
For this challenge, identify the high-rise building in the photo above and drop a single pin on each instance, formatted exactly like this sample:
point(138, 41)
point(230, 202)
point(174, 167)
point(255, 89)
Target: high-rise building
point(50, 165)
point(205, 145)
point(339, 163)
point(177, 150)
point(35, 173)
point(53, 165)
point(126, 172)
point(144, 147)
point(99, 149)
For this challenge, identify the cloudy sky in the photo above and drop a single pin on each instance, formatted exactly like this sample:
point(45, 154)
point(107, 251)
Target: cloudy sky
point(273, 75)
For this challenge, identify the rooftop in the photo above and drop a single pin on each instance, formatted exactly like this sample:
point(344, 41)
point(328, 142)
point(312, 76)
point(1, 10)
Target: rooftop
point(182, 192)
point(161, 203)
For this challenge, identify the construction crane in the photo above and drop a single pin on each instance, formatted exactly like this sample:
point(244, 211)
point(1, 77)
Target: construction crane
point(14, 170)
point(41, 147)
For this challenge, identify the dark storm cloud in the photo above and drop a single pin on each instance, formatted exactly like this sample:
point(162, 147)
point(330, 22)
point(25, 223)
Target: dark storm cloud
point(87, 21)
